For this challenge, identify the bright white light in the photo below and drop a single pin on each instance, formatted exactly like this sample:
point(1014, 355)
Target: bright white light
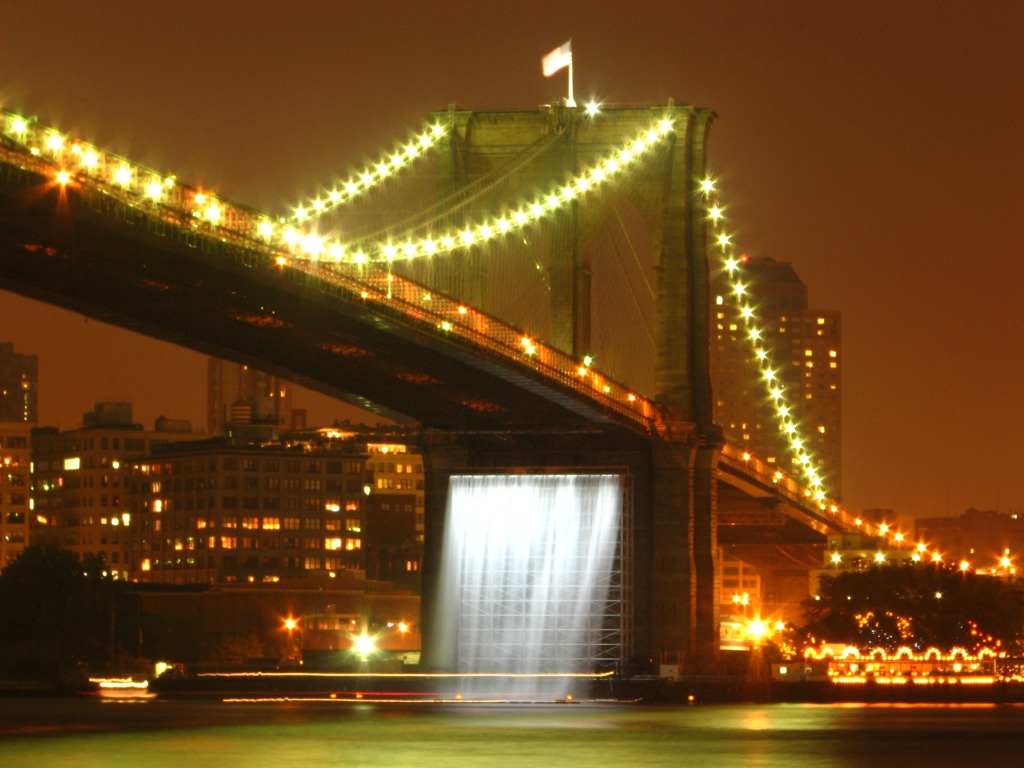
point(363, 645)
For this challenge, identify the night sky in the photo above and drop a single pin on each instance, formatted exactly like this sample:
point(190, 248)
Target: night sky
point(875, 145)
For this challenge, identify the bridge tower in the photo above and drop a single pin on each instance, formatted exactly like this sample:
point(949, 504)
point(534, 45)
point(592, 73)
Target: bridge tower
point(674, 605)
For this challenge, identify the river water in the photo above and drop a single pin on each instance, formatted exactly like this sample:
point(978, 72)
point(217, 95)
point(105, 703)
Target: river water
point(171, 734)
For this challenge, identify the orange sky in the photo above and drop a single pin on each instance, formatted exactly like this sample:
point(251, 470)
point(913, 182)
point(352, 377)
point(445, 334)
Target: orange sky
point(876, 145)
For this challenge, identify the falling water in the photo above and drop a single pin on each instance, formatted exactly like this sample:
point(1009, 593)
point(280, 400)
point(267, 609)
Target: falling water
point(528, 581)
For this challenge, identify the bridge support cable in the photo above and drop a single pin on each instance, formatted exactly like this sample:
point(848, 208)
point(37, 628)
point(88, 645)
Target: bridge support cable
point(420, 225)
point(639, 271)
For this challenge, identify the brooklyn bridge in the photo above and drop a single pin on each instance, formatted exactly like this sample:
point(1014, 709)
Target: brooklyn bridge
point(468, 281)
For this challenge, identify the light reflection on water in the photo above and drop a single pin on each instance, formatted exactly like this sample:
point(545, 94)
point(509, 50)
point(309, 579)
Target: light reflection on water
point(175, 734)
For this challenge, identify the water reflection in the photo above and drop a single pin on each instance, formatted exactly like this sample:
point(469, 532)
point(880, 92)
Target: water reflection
point(166, 734)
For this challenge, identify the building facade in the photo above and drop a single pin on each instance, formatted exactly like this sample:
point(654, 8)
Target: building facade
point(261, 506)
point(805, 345)
point(79, 482)
point(15, 488)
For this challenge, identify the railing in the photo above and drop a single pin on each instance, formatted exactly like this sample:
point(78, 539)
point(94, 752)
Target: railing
point(770, 476)
point(452, 320)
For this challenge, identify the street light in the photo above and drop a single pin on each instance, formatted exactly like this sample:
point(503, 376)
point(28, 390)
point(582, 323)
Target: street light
point(363, 645)
point(294, 651)
point(757, 629)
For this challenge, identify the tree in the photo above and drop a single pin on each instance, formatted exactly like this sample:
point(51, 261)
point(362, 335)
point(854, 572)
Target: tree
point(57, 612)
point(918, 606)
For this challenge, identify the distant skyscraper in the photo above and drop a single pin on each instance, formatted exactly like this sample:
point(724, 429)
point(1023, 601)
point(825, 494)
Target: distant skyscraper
point(19, 382)
point(240, 393)
point(805, 347)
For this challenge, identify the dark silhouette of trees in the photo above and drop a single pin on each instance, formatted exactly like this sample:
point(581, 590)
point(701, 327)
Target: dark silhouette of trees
point(919, 607)
point(57, 613)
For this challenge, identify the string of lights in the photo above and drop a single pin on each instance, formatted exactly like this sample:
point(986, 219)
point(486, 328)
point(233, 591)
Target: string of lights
point(505, 223)
point(767, 370)
point(403, 156)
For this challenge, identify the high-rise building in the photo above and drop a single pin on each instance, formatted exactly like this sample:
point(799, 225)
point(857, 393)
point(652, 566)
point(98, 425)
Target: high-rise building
point(804, 345)
point(79, 482)
point(19, 382)
point(257, 505)
point(238, 394)
point(15, 464)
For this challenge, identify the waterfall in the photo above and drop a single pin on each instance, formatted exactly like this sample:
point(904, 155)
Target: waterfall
point(528, 581)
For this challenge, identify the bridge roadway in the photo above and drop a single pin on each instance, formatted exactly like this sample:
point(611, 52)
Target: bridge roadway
point(358, 334)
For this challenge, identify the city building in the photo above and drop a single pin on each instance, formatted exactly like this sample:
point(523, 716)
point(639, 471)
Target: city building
point(19, 384)
point(79, 482)
point(259, 505)
point(15, 483)
point(805, 345)
point(238, 394)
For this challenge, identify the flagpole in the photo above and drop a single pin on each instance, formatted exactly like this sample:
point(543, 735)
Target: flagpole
point(571, 102)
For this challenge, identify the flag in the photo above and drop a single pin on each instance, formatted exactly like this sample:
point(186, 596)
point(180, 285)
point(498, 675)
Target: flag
point(557, 59)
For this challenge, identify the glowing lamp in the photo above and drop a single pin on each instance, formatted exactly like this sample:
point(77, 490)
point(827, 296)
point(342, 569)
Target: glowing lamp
point(363, 645)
